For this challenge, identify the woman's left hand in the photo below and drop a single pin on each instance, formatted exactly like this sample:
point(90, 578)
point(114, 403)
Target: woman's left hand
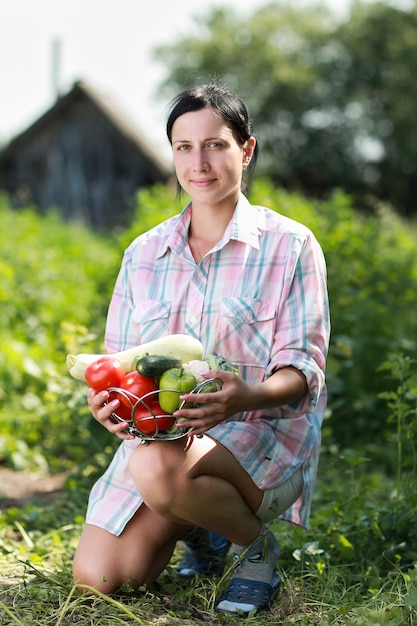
point(216, 406)
point(284, 386)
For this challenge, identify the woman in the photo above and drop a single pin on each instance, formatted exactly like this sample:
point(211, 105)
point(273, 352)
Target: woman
point(251, 285)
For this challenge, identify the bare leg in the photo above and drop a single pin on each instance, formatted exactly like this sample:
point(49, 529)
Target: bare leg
point(200, 484)
point(137, 556)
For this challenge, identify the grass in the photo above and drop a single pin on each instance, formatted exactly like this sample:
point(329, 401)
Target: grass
point(339, 572)
point(356, 565)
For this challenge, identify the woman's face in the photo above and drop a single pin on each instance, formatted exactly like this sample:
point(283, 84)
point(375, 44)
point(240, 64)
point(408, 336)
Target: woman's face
point(207, 158)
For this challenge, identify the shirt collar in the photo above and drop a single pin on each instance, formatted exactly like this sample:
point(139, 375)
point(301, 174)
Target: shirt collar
point(242, 227)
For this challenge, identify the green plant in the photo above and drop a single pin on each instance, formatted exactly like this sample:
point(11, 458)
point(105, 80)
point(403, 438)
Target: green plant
point(61, 277)
point(402, 402)
point(54, 281)
point(373, 528)
point(372, 281)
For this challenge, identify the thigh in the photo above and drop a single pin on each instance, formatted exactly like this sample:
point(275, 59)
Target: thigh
point(208, 456)
point(189, 459)
point(137, 556)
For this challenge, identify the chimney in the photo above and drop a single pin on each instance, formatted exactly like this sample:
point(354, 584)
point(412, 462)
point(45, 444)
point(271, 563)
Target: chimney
point(56, 68)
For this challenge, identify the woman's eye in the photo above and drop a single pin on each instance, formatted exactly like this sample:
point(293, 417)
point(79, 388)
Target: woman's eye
point(213, 145)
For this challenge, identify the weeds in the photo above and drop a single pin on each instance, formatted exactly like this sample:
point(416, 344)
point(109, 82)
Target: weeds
point(320, 583)
point(357, 564)
point(402, 402)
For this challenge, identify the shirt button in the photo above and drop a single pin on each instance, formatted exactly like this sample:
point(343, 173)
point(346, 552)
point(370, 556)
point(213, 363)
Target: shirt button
point(192, 320)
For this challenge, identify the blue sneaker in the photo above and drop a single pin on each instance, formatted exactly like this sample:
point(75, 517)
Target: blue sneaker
point(205, 554)
point(254, 582)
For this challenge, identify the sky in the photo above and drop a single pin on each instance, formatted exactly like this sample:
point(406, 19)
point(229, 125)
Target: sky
point(106, 43)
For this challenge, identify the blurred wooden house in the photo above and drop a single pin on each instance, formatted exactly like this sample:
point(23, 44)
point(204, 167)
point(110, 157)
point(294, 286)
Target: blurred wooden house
point(82, 157)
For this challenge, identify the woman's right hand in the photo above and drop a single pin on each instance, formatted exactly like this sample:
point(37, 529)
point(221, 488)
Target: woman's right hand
point(102, 411)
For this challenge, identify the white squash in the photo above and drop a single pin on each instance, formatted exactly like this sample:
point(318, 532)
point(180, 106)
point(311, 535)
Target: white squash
point(184, 347)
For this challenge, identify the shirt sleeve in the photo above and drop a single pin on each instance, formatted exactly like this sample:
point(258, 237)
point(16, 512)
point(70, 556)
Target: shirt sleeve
point(303, 324)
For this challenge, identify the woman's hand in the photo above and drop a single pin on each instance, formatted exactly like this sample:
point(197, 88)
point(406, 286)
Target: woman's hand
point(216, 406)
point(102, 411)
point(285, 386)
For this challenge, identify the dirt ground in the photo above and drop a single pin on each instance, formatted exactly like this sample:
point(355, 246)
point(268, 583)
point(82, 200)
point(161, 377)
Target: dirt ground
point(20, 488)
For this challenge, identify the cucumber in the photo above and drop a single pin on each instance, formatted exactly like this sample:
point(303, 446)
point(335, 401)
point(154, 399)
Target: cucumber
point(154, 365)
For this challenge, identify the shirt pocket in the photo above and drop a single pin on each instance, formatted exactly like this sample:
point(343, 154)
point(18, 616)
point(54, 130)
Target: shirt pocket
point(152, 318)
point(246, 331)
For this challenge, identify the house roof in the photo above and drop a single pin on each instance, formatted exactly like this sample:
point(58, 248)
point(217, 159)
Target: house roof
point(105, 105)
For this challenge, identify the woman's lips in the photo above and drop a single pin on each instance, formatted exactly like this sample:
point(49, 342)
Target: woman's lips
point(202, 182)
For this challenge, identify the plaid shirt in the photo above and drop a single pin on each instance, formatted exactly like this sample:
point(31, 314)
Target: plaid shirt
point(258, 298)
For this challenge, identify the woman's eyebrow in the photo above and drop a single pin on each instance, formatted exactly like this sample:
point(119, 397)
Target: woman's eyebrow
point(190, 140)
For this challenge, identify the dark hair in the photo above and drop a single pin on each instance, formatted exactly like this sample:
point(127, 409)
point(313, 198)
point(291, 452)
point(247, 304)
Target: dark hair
point(225, 103)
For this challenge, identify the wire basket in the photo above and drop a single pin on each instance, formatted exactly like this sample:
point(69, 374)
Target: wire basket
point(149, 426)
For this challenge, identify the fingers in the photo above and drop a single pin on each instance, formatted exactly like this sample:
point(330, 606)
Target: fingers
point(102, 411)
point(203, 416)
point(221, 399)
point(211, 408)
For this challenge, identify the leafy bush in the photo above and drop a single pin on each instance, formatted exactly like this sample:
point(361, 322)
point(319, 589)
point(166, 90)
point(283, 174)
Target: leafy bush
point(154, 205)
point(372, 281)
point(55, 285)
point(55, 282)
point(357, 562)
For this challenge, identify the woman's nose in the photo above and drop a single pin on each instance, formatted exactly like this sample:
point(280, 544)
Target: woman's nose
point(200, 162)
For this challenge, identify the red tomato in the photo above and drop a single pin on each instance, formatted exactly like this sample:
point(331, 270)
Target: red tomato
point(136, 386)
point(103, 373)
point(150, 423)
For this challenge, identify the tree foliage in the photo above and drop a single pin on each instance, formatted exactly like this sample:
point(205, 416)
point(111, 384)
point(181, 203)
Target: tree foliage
point(380, 85)
point(332, 101)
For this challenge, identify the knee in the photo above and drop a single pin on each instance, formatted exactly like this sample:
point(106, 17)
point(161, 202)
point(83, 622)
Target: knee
point(88, 577)
point(157, 479)
point(87, 580)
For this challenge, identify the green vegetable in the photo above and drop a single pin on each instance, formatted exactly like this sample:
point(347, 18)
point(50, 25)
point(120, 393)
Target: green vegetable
point(175, 381)
point(217, 362)
point(154, 365)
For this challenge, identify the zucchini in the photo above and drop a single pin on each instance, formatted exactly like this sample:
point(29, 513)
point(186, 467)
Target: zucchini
point(184, 347)
point(154, 365)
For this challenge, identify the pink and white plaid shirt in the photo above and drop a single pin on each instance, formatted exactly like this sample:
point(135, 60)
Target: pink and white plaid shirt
point(258, 298)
